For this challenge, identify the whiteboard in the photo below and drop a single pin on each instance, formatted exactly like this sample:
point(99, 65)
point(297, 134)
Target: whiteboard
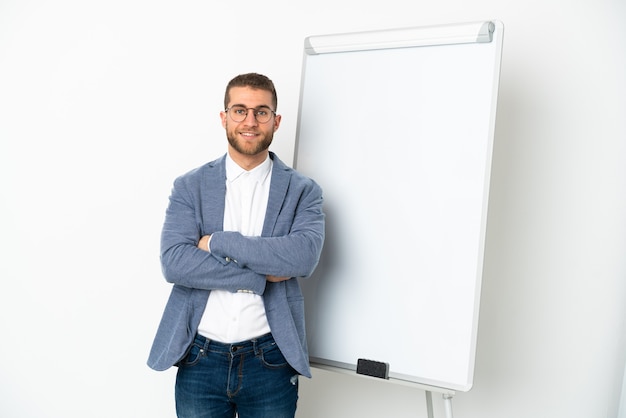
point(397, 127)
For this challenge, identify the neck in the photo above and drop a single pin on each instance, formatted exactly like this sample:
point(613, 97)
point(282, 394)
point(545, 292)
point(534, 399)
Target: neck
point(247, 162)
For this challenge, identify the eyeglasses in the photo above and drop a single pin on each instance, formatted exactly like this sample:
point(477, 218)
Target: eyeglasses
point(262, 114)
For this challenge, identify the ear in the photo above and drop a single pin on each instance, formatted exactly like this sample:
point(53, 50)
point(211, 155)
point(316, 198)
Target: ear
point(277, 119)
point(223, 117)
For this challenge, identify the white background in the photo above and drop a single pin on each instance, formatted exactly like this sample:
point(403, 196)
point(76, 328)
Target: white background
point(102, 104)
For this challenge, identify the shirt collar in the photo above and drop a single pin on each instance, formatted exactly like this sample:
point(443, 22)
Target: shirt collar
point(258, 173)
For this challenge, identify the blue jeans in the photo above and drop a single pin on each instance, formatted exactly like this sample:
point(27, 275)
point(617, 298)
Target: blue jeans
point(251, 379)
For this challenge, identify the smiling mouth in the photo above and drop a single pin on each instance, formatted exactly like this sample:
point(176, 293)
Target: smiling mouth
point(248, 134)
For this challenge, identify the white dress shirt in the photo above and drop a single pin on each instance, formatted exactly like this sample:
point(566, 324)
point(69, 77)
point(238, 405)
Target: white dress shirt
point(234, 317)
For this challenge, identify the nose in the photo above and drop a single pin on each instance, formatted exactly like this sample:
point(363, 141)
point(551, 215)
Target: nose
point(250, 118)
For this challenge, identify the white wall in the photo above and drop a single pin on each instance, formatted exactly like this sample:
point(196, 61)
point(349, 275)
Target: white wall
point(103, 103)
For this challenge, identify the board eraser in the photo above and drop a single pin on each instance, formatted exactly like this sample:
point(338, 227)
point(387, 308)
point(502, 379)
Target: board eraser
point(373, 368)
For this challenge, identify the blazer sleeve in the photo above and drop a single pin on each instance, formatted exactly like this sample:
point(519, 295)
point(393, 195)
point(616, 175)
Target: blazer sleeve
point(295, 244)
point(182, 262)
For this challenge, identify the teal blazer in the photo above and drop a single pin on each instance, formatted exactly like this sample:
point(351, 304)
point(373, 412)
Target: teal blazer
point(290, 246)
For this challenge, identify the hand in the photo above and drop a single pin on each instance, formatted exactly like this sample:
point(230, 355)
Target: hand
point(276, 279)
point(203, 244)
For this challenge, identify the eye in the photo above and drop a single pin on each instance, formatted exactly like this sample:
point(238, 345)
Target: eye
point(262, 112)
point(240, 111)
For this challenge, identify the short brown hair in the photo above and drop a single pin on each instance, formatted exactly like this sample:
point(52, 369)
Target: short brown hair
point(252, 80)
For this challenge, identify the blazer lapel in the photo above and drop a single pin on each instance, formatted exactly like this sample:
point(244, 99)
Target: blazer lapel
point(213, 192)
point(281, 177)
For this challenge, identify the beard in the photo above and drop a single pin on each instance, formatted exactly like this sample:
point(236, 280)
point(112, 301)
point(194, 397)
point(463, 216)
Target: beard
point(249, 149)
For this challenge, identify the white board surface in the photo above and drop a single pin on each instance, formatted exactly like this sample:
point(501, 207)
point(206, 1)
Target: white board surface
point(400, 139)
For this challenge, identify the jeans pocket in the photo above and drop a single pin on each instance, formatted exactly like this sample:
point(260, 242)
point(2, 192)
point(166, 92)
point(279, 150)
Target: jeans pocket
point(193, 356)
point(272, 357)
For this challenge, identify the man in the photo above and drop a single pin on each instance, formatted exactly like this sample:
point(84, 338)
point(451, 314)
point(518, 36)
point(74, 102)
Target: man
point(238, 231)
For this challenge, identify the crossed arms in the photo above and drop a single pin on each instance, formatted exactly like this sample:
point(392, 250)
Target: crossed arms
point(236, 261)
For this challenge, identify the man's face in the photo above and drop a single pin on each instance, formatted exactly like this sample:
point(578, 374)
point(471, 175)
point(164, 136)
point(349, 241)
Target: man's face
point(249, 138)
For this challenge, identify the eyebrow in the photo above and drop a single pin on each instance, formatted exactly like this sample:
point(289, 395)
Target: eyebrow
point(256, 108)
